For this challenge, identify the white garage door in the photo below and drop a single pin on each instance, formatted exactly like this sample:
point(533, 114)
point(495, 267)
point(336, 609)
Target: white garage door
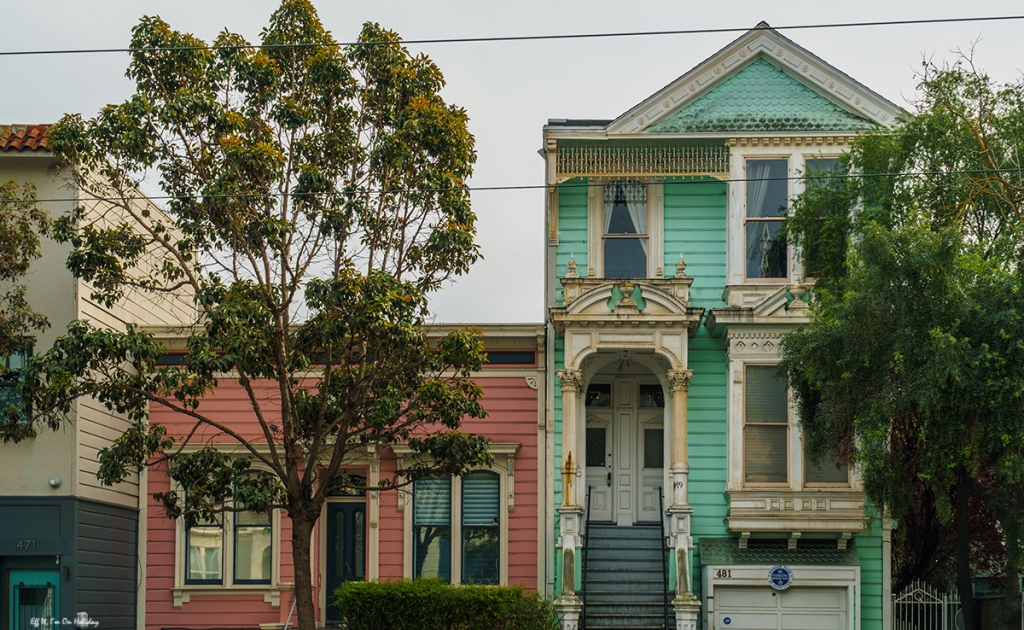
point(762, 608)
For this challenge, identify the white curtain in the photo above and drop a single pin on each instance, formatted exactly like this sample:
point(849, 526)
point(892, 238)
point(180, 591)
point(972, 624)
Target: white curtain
point(634, 195)
point(757, 186)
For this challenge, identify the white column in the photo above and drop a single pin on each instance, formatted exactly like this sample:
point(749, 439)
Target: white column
point(567, 604)
point(685, 604)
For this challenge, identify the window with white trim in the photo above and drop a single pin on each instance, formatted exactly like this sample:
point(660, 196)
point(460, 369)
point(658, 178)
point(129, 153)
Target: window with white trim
point(765, 427)
point(814, 170)
point(466, 548)
point(233, 548)
point(767, 200)
point(625, 244)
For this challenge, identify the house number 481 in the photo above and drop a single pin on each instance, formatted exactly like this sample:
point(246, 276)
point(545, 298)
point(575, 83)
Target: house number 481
point(26, 544)
point(723, 573)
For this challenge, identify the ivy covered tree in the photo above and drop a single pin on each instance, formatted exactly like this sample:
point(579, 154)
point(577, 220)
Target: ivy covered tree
point(912, 365)
point(317, 197)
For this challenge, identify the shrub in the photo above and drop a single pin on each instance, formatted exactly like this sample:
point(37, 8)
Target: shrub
point(435, 605)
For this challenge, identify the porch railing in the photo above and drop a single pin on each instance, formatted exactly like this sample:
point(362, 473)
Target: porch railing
point(664, 559)
point(583, 566)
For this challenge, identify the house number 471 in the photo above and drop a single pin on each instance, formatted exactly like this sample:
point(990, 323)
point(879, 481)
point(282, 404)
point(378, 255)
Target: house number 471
point(26, 544)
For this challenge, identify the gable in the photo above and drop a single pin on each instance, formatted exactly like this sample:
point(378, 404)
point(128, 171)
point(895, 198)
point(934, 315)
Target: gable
point(760, 97)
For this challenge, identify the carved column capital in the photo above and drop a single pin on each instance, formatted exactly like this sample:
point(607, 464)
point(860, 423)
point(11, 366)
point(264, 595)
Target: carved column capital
point(680, 379)
point(571, 380)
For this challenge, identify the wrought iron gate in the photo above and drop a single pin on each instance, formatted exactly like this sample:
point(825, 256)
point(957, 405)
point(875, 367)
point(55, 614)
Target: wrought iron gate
point(923, 607)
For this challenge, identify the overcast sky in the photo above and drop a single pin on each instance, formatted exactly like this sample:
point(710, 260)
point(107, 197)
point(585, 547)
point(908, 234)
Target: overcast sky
point(509, 89)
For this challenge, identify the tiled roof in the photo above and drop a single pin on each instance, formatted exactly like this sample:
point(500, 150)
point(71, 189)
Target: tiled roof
point(23, 137)
point(715, 551)
point(761, 97)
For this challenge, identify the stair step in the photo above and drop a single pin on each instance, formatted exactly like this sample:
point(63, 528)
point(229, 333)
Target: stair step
point(653, 596)
point(626, 620)
point(639, 554)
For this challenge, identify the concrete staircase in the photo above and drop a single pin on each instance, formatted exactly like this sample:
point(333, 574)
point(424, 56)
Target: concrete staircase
point(625, 578)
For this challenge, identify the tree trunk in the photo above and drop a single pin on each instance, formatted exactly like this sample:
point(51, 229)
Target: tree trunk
point(961, 519)
point(302, 534)
point(1008, 617)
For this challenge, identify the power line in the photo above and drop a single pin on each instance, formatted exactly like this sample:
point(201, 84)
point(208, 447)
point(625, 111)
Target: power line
point(396, 191)
point(521, 38)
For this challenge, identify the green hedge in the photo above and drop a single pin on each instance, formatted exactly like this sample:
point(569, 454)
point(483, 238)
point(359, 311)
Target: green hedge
point(434, 605)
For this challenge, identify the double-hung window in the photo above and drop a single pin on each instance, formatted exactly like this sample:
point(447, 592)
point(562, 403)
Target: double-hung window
point(253, 547)
point(204, 562)
point(765, 427)
point(815, 171)
point(248, 538)
point(473, 538)
point(767, 200)
point(625, 230)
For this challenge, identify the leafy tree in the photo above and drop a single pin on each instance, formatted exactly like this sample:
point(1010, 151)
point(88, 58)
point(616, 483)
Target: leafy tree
point(913, 362)
point(22, 221)
point(317, 198)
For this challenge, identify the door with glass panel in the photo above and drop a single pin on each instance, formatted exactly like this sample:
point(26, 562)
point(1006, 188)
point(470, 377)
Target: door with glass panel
point(651, 451)
point(32, 599)
point(346, 549)
point(598, 452)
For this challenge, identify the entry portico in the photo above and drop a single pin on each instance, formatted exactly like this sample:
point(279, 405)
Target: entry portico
point(645, 324)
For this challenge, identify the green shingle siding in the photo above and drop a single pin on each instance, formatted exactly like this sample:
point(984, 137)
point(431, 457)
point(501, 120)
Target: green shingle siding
point(761, 97)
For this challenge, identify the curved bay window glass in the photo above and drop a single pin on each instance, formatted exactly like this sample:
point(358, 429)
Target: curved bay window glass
point(253, 546)
point(625, 230)
point(432, 528)
point(767, 201)
point(204, 563)
point(481, 534)
point(765, 426)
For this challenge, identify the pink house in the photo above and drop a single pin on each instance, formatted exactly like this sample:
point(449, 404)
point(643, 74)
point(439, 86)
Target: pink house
point(482, 527)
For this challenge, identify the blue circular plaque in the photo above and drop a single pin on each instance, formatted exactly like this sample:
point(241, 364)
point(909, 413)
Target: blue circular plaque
point(727, 620)
point(780, 578)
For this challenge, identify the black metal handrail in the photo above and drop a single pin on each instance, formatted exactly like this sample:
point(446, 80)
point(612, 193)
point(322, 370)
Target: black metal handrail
point(664, 558)
point(583, 566)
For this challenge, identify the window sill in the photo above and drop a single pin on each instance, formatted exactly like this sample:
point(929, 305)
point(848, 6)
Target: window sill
point(271, 592)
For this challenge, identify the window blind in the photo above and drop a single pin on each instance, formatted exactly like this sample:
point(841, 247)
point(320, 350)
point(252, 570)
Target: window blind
point(480, 499)
point(432, 501)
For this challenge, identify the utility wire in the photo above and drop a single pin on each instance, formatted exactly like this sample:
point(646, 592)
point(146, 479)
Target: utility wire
point(521, 38)
point(396, 191)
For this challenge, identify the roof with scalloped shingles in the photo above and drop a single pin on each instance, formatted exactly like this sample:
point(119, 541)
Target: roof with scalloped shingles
point(23, 138)
point(726, 551)
point(761, 97)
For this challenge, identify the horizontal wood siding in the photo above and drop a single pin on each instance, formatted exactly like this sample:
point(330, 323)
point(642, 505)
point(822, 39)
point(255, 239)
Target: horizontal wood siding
point(512, 408)
point(695, 226)
point(512, 417)
point(107, 563)
point(572, 230)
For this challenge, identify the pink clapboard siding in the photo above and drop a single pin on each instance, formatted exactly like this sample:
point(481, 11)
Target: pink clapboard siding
point(512, 417)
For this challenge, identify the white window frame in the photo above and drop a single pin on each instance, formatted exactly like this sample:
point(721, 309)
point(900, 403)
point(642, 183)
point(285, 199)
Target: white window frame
point(504, 466)
point(801, 186)
point(655, 225)
point(789, 159)
point(736, 412)
point(183, 592)
point(789, 432)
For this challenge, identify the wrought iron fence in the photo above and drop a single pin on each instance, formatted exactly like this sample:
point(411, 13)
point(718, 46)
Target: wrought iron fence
point(923, 607)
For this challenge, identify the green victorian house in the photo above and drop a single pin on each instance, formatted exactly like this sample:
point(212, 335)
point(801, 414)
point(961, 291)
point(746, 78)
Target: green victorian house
point(679, 495)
